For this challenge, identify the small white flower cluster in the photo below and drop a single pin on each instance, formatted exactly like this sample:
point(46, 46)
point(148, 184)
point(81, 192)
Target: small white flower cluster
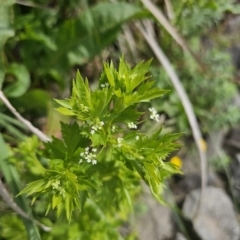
point(96, 127)
point(56, 186)
point(113, 128)
point(132, 125)
point(154, 115)
point(88, 156)
point(104, 85)
point(119, 140)
point(137, 138)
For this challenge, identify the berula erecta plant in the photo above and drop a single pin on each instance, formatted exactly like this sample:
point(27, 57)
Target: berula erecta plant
point(103, 155)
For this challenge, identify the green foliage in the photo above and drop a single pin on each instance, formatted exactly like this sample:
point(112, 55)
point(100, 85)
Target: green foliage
point(94, 170)
point(211, 91)
point(6, 31)
point(194, 17)
point(9, 222)
point(59, 42)
point(211, 95)
point(103, 156)
point(13, 179)
point(21, 85)
point(10, 173)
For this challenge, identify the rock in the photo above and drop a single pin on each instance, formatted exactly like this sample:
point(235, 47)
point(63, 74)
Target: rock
point(180, 236)
point(216, 219)
point(156, 223)
point(235, 177)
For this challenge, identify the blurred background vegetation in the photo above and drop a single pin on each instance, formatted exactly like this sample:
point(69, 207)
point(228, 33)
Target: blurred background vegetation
point(43, 43)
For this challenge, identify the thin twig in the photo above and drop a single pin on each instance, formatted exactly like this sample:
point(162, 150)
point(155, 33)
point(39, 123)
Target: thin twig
point(169, 9)
point(157, 13)
point(28, 124)
point(7, 198)
point(185, 102)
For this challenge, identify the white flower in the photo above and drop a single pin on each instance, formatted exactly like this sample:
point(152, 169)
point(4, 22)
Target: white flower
point(132, 125)
point(137, 138)
point(119, 140)
point(94, 127)
point(88, 156)
point(113, 128)
point(104, 85)
point(55, 185)
point(94, 162)
point(154, 115)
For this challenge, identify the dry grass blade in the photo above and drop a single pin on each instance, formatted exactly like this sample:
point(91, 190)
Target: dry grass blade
point(28, 124)
point(150, 38)
point(7, 198)
point(169, 9)
point(157, 13)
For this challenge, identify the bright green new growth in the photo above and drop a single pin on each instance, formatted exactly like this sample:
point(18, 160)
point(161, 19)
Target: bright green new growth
point(103, 156)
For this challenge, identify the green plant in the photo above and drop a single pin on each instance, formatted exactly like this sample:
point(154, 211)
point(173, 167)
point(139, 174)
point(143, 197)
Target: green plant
point(101, 158)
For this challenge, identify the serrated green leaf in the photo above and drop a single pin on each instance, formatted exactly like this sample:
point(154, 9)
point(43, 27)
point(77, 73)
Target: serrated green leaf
point(68, 206)
point(144, 87)
point(55, 149)
point(131, 99)
point(71, 136)
point(124, 74)
point(128, 197)
point(35, 186)
point(65, 103)
point(83, 198)
point(48, 209)
point(65, 111)
point(60, 208)
point(36, 195)
point(85, 184)
point(56, 200)
point(138, 74)
point(171, 168)
point(154, 180)
point(128, 115)
point(156, 134)
point(98, 139)
point(151, 94)
point(100, 100)
point(81, 91)
point(109, 72)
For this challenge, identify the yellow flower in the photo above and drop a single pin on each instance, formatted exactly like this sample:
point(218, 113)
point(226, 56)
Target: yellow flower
point(176, 161)
point(203, 145)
